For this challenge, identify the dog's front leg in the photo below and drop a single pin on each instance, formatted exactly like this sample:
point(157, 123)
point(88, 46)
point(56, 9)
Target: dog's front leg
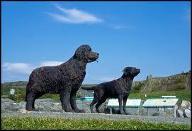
point(65, 99)
point(120, 99)
point(73, 102)
point(124, 103)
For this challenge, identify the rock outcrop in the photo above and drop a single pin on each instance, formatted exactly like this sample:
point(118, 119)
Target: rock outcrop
point(184, 109)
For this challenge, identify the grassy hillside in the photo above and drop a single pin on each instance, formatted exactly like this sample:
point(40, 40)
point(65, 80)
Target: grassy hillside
point(171, 83)
point(179, 85)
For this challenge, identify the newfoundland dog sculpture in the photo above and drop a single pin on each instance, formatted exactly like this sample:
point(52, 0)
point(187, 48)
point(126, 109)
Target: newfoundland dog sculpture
point(64, 79)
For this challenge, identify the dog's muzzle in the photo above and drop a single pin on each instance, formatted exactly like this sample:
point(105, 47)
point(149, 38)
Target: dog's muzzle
point(93, 57)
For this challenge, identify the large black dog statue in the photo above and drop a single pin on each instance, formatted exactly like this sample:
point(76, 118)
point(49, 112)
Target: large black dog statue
point(64, 79)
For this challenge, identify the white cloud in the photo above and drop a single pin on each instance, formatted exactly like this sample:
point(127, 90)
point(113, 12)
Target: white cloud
point(24, 68)
point(21, 68)
point(51, 63)
point(21, 71)
point(120, 27)
point(74, 16)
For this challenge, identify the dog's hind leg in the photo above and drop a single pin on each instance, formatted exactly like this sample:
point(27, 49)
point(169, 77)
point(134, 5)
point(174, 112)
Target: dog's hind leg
point(30, 96)
point(99, 103)
point(29, 101)
point(95, 100)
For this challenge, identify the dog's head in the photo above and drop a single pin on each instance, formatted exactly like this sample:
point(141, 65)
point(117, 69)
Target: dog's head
point(130, 72)
point(84, 53)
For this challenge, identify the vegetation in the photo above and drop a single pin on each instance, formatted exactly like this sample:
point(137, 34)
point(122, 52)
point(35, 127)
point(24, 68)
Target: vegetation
point(181, 94)
point(154, 88)
point(27, 123)
point(20, 94)
point(138, 86)
point(175, 85)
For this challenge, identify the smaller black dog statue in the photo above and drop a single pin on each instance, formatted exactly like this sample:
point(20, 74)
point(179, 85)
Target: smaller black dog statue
point(119, 88)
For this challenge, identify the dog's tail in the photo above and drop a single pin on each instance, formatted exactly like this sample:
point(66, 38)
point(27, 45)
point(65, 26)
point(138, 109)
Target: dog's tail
point(88, 88)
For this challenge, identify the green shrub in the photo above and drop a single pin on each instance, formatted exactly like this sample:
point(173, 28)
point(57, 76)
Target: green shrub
point(138, 87)
point(18, 96)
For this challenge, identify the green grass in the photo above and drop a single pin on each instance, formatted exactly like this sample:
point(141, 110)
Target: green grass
point(12, 123)
point(181, 94)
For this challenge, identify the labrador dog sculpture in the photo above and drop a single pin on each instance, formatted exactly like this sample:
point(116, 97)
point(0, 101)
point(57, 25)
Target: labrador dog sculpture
point(119, 88)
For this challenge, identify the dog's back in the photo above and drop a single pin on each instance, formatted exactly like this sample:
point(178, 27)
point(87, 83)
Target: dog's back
point(113, 88)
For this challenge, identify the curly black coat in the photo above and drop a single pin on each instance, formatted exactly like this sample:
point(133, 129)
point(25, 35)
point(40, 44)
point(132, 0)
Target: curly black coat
point(64, 79)
point(119, 88)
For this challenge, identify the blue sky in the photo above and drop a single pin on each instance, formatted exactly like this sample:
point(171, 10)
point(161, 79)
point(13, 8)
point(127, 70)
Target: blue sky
point(152, 36)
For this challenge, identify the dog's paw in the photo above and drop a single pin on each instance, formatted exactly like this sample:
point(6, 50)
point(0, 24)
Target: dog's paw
point(24, 111)
point(127, 113)
point(80, 111)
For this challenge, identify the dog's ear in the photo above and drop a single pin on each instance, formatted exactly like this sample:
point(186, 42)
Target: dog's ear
point(82, 52)
point(127, 71)
point(79, 53)
point(76, 55)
